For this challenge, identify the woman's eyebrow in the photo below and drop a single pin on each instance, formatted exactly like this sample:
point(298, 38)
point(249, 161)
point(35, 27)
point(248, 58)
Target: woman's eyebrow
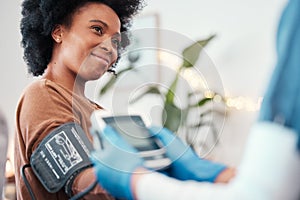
point(99, 21)
point(104, 24)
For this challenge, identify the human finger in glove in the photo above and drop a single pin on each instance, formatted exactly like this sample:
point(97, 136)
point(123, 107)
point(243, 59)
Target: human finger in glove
point(115, 163)
point(186, 165)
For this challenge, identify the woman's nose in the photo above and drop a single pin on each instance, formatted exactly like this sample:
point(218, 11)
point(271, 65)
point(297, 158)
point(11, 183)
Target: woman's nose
point(106, 45)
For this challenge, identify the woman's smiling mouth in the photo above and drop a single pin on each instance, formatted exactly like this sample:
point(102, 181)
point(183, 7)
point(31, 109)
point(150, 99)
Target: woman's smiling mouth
point(101, 58)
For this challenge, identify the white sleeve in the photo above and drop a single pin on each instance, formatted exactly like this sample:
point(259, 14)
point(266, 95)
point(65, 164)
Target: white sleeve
point(160, 187)
point(270, 167)
point(270, 170)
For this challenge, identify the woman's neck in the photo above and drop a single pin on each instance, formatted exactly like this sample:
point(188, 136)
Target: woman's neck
point(65, 78)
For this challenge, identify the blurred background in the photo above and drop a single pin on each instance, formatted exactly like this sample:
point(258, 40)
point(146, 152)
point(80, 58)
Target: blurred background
point(243, 54)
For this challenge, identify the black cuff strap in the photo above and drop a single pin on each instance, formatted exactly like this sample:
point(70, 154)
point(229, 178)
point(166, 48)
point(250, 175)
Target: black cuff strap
point(61, 156)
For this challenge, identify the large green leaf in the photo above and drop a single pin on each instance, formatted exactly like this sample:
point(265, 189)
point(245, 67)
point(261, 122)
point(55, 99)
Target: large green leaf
point(191, 53)
point(171, 92)
point(172, 117)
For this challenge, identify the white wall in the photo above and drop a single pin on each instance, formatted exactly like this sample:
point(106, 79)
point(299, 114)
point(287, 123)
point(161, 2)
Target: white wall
point(13, 75)
point(245, 35)
point(243, 52)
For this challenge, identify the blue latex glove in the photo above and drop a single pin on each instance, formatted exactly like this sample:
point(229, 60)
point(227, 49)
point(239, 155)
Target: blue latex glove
point(115, 163)
point(186, 165)
point(281, 103)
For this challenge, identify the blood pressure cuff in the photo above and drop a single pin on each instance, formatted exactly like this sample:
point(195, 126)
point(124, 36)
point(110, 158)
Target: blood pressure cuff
point(61, 156)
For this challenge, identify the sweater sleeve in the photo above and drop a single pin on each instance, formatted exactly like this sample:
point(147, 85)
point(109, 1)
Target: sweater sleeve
point(85, 179)
point(44, 107)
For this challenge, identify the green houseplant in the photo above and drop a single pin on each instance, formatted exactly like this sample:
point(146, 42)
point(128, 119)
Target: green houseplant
point(174, 117)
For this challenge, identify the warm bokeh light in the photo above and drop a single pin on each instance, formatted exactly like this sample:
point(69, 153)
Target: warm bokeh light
point(9, 169)
point(244, 103)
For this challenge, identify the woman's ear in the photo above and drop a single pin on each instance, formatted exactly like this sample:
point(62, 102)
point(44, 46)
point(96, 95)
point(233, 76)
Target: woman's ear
point(57, 33)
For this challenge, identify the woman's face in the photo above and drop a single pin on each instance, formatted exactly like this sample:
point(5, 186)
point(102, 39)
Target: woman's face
point(89, 46)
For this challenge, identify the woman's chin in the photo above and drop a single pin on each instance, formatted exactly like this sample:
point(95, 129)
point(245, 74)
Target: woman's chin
point(96, 76)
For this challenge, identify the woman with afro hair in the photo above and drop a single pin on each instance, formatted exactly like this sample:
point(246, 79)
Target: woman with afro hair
point(66, 43)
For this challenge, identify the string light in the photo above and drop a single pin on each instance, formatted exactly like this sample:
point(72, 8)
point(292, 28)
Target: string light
point(243, 103)
point(198, 83)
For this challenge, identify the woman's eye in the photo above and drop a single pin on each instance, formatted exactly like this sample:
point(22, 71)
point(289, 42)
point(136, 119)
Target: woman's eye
point(98, 29)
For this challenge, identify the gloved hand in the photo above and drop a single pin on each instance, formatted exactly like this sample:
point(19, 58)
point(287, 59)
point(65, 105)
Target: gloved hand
point(115, 163)
point(186, 165)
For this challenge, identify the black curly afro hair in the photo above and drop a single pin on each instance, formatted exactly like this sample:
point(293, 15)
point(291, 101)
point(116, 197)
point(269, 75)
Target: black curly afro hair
point(41, 16)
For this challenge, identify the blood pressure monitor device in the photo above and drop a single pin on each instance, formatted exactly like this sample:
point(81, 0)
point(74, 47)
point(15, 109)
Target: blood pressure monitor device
point(60, 156)
point(133, 129)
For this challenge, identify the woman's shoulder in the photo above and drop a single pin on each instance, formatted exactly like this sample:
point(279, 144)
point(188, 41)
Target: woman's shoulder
point(40, 84)
point(43, 92)
point(35, 84)
point(42, 87)
point(44, 96)
point(34, 88)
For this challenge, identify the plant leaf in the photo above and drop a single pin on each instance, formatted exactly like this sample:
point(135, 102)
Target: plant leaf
point(112, 80)
point(191, 53)
point(151, 90)
point(212, 129)
point(171, 92)
point(172, 117)
point(108, 85)
point(202, 102)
